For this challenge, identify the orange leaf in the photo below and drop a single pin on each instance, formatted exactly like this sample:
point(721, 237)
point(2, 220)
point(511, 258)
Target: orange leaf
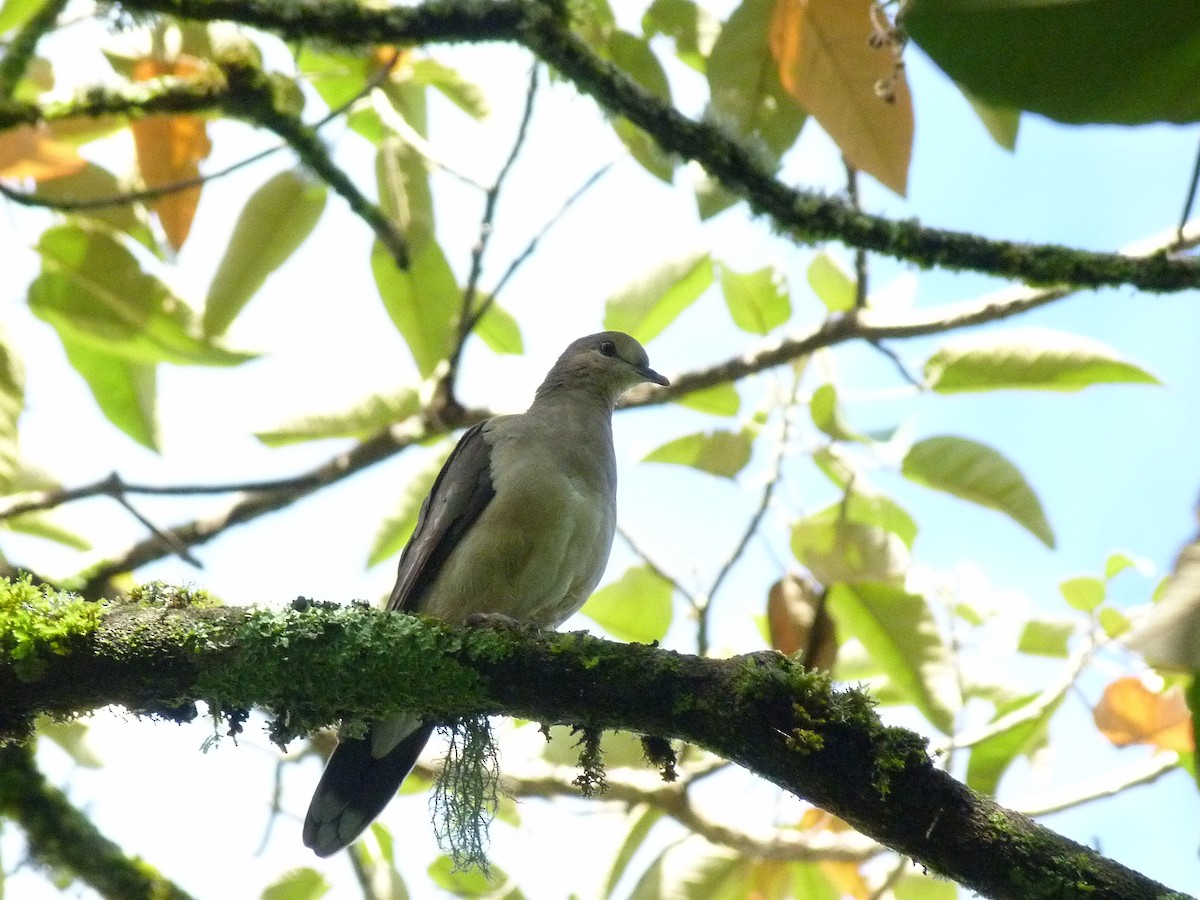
point(28, 151)
point(1130, 713)
point(827, 63)
point(169, 150)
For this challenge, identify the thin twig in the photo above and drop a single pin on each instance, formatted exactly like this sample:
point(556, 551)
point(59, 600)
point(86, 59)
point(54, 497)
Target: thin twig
point(178, 547)
point(1191, 196)
point(860, 255)
point(658, 570)
point(899, 364)
point(185, 184)
point(524, 255)
point(631, 787)
point(1107, 785)
point(472, 312)
point(764, 503)
point(866, 324)
point(114, 486)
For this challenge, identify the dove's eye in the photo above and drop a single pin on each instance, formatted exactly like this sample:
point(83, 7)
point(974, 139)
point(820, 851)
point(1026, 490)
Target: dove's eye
point(608, 348)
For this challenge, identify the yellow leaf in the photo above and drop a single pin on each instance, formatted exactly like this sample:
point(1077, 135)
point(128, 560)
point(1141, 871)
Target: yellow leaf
point(846, 879)
point(28, 151)
point(169, 150)
point(1130, 713)
point(830, 62)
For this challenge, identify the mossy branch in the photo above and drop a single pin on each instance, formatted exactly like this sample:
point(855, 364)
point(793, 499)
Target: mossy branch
point(239, 91)
point(805, 215)
point(308, 666)
point(61, 836)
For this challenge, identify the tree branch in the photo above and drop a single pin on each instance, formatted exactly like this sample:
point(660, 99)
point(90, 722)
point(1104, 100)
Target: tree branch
point(866, 325)
point(807, 216)
point(309, 666)
point(239, 91)
point(60, 835)
point(632, 788)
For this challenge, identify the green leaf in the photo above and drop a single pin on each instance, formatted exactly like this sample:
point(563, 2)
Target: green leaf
point(41, 525)
point(499, 329)
point(387, 881)
point(272, 225)
point(991, 757)
point(899, 632)
point(835, 464)
point(712, 197)
point(743, 79)
point(1140, 58)
point(827, 415)
point(462, 882)
point(758, 301)
point(398, 527)
point(125, 391)
point(636, 607)
point(846, 551)
point(651, 303)
point(634, 839)
point(362, 420)
point(722, 453)
point(832, 284)
point(94, 293)
point(634, 56)
point(620, 749)
point(1035, 359)
point(868, 508)
point(693, 29)
point(298, 884)
point(464, 94)
point(402, 180)
point(336, 76)
point(93, 183)
point(1001, 122)
point(924, 887)
point(1083, 593)
point(1114, 622)
point(1045, 638)
point(72, 737)
point(979, 474)
point(719, 400)
point(15, 13)
point(12, 402)
point(423, 301)
point(1119, 561)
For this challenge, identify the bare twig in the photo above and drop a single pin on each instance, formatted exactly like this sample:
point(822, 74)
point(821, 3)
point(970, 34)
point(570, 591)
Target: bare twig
point(631, 787)
point(524, 255)
point(472, 311)
point(658, 570)
point(764, 502)
point(1107, 785)
point(178, 547)
point(1190, 199)
point(864, 324)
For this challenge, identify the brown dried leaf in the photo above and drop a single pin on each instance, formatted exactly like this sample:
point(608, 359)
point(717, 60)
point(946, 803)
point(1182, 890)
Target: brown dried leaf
point(792, 607)
point(170, 149)
point(29, 151)
point(1130, 713)
point(828, 64)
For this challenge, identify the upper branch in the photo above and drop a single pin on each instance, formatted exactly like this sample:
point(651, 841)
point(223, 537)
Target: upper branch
point(309, 666)
point(805, 215)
